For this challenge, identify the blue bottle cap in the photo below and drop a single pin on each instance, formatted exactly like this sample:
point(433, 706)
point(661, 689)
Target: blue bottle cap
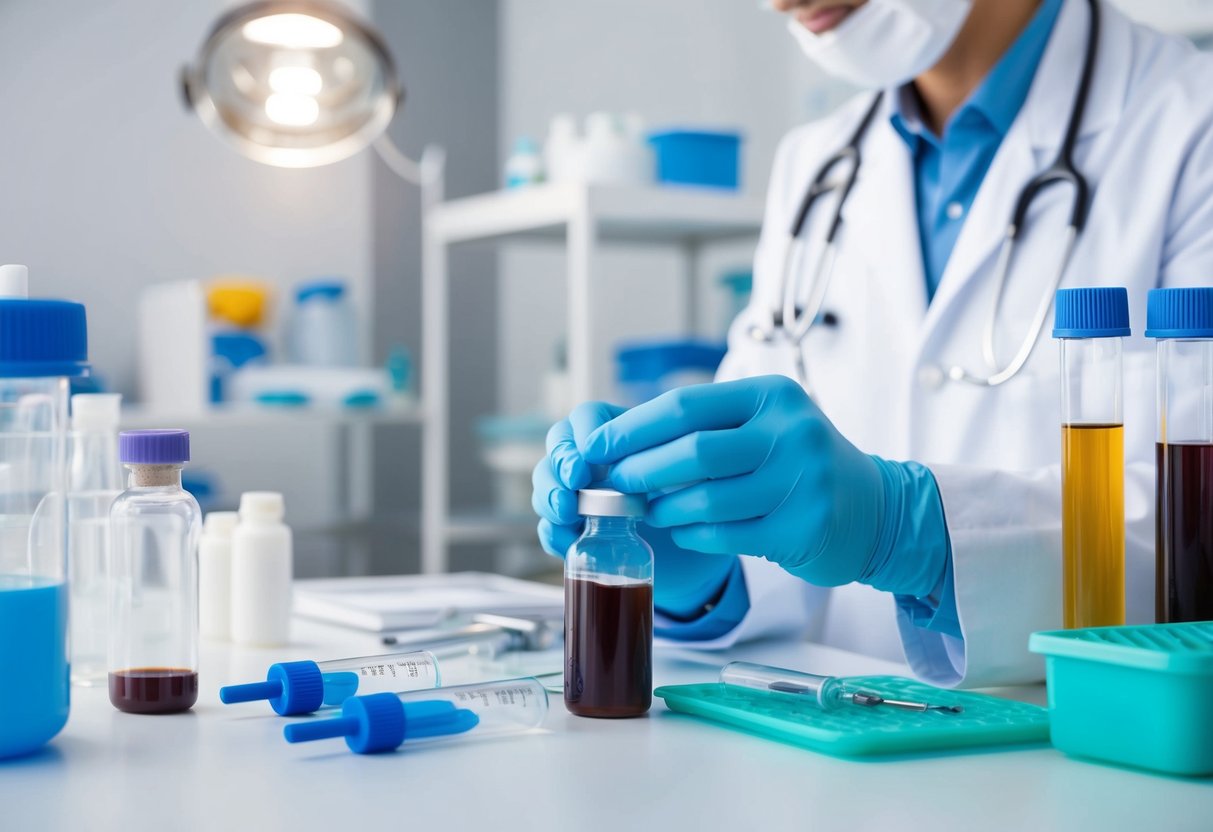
point(1091, 312)
point(291, 688)
point(328, 288)
point(42, 338)
point(1180, 313)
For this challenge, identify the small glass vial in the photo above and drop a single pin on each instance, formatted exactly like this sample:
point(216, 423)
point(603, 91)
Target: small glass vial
point(154, 528)
point(1091, 324)
point(608, 609)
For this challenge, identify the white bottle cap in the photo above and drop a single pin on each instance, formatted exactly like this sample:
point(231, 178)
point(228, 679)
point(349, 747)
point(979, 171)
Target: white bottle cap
point(220, 524)
point(262, 505)
point(96, 412)
point(14, 281)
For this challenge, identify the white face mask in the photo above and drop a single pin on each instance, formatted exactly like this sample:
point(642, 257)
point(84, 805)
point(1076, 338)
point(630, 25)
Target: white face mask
point(885, 43)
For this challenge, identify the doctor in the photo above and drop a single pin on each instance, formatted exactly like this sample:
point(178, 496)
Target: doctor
point(881, 447)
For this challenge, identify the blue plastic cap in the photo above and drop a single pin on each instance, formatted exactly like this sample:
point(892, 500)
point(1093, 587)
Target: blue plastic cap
point(1091, 312)
point(330, 289)
point(41, 338)
point(380, 719)
point(302, 688)
point(1180, 313)
point(169, 446)
point(250, 692)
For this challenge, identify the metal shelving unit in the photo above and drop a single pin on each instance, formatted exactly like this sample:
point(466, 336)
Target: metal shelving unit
point(581, 218)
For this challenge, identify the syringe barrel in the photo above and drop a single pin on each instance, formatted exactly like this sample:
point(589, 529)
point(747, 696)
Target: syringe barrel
point(388, 673)
point(505, 707)
point(823, 691)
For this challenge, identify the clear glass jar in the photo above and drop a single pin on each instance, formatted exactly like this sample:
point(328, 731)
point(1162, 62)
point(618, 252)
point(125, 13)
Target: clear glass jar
point(94, 481)
point(1182, 321)
point(153, 569)
point(1091, 323)
point(44, 344)
point(608, 609)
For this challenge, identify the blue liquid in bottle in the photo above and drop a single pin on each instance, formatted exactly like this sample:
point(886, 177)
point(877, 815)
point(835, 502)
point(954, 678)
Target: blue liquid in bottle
point(34, 674)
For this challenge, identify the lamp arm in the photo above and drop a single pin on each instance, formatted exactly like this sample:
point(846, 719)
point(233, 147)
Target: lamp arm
point(397, 162)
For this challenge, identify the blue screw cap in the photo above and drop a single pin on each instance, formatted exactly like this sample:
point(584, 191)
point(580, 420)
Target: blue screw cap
point(291, 688)
point(1180, 313)
point(41, 338)
point(1091, 312)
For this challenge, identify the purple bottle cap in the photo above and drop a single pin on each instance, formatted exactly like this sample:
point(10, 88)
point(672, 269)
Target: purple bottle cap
point(154, 447)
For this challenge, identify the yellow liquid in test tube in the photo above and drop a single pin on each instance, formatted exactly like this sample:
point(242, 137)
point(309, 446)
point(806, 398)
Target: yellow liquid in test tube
point(1093, 524)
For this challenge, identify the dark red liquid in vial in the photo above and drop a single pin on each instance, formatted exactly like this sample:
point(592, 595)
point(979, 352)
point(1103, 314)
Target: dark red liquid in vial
point(1183, 588)
point(608, 648)
point(154, 690)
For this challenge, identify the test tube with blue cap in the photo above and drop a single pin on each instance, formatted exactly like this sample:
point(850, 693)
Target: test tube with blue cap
point(384, 721)
point(303, 687)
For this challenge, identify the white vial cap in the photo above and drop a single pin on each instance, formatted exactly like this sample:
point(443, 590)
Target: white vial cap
point(14, 281)
point(220, 524)
point(96, 412)
point(607, 502)
point(262, 505)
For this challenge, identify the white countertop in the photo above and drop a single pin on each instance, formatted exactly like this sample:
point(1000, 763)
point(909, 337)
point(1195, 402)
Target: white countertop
point(228, 768)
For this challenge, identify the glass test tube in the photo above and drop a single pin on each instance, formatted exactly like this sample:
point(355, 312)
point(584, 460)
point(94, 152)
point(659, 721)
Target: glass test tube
point(1091, 322)
point(826, 692)
point(385, 721)
point(1182, 321)
point(303, 687)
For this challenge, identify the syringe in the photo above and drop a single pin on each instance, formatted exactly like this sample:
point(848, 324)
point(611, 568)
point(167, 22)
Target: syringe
point(385, 721)
point(302, 687)
point(825, 692)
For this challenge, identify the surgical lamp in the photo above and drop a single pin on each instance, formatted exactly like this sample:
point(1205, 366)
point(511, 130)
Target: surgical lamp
point(300, 83)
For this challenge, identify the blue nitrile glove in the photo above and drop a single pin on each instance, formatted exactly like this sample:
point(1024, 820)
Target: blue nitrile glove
point(761, 471)
point(683, 581)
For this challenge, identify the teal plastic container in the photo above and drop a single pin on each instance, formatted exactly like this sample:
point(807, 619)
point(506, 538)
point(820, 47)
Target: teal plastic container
point(857, 731)
point(1138, 695)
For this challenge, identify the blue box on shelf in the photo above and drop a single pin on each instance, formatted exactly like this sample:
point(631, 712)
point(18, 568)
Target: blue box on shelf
point(698, 157)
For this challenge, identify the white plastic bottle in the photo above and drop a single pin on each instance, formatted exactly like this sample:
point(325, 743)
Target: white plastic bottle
point(261, 572)
point(215, 575)
point(323, 330)
point(562, 150)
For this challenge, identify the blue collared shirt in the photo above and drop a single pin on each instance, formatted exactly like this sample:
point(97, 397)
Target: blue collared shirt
point(948, 170)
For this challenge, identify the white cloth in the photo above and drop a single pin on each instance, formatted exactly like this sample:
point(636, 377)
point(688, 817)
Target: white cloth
point(1146, 147)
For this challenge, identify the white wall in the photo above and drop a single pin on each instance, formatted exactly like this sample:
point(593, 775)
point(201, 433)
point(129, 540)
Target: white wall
point(715, 63)
point(107, 184)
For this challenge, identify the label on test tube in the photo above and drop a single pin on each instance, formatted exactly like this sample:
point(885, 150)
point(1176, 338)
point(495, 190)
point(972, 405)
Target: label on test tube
point(409, 671)
point(294, 688)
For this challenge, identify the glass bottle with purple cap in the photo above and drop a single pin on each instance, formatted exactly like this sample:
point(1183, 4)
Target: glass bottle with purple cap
point(154, 528)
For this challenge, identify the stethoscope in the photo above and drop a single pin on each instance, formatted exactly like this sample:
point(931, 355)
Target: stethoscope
point(795, 321)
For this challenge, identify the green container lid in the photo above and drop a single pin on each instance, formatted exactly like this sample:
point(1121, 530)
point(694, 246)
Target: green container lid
point(1171, 648)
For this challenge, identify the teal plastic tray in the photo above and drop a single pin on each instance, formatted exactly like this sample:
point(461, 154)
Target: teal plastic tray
point(858, 731)
point(1136, 695)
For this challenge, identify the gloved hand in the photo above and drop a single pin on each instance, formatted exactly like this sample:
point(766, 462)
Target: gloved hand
point(683, 581)
point(759, 470)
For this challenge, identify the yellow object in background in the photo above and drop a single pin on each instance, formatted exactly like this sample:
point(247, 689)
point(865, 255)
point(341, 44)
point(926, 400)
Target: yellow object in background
point(1093, 525)
point(240, 301)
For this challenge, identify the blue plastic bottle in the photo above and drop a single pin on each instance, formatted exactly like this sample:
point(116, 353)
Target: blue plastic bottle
point(44, 346)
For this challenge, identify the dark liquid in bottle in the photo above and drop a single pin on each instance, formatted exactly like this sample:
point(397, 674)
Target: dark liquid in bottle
point(1183, 589)
point(154, 690)
point(608, 648)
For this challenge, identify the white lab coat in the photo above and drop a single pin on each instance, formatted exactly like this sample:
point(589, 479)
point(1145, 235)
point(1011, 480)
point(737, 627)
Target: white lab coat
point(1146, 146)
